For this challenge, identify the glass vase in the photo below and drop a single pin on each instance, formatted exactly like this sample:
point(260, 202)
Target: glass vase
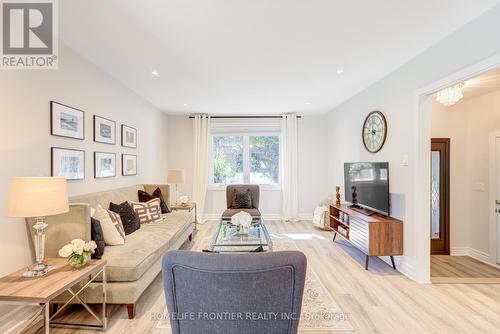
point(78, 261)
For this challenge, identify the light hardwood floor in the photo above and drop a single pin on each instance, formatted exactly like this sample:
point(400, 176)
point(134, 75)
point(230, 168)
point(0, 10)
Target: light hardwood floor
point(380, 300)
point(462, 269)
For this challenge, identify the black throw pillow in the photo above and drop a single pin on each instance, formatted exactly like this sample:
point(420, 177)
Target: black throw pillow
point(241, 199)
point(145, 197)
point(97, 235)
point(130, 220)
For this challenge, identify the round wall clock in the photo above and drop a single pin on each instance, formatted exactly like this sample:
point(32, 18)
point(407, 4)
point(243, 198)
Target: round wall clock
point(374, 131)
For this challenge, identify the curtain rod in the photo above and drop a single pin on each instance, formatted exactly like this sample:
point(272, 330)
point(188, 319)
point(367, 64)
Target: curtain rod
point(246, 116)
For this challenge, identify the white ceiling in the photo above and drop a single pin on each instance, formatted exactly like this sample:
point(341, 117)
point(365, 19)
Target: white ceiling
point(256, 56)
point(483, 84)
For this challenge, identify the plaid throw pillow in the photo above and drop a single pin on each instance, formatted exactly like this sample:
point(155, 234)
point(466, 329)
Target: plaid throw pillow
point(148, 212)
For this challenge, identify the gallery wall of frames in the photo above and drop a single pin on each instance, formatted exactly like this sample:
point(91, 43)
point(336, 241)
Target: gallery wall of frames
point(69, 122)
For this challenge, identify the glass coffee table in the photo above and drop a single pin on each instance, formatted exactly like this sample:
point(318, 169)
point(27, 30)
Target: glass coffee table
point(227, 238)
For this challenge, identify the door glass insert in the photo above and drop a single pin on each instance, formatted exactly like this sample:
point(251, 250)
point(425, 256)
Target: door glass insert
point(435, 186)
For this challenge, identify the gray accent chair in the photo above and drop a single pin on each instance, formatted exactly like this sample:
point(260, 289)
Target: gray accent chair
point(255, 193)
point(225, 293)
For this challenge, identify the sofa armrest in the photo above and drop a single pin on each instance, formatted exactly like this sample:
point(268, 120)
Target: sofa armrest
point(165, 190)
point(63, 228)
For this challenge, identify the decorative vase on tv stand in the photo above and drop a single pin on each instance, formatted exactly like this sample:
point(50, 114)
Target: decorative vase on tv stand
point(354, 198)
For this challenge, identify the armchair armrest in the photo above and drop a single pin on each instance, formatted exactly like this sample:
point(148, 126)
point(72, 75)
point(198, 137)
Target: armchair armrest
point(63, 228)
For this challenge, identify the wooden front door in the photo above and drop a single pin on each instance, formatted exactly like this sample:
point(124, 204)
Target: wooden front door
point(440, 196)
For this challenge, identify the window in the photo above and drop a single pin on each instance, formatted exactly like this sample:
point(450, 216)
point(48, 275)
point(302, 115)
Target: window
point(228, 159)
point(264, 159)
point(245, 159)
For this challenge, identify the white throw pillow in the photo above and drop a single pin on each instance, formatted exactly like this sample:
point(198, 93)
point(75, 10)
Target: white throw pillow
point(112, 226)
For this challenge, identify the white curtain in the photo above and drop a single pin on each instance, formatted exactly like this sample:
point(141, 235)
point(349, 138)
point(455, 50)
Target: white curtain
point(290, 167)
point(201, 130)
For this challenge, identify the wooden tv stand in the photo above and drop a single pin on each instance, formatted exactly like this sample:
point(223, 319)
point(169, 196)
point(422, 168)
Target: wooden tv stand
point(374, 235)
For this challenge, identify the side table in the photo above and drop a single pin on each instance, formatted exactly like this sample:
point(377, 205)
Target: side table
point(188, 207)
point(41, 290)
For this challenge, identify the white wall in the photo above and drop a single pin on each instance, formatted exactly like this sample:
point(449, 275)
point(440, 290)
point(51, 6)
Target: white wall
point(395, 96)
point(313, 168)
point(25, 139)
point(468, 124)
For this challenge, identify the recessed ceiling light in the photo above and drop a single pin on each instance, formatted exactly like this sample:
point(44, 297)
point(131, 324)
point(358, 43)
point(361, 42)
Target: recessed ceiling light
point(185, 104)
point(340, 71)
point(308, 103)
point(155, 73)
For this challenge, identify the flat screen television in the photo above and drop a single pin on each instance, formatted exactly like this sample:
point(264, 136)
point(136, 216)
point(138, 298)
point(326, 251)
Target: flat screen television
point(371, 180)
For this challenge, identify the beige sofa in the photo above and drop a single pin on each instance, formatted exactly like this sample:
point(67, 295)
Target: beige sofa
point(130, 267)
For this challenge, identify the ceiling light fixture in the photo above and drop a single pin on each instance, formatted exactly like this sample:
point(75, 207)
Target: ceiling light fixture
point(450, 95)
point(185, 104)
point(155, 73)
point(308, 103)
point(340, 71)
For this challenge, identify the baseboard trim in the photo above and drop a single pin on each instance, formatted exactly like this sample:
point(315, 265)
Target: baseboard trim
point(402, 266)
point(473, 253)
point(305, 216)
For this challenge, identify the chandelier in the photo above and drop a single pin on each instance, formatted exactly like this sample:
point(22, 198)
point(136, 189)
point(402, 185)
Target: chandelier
point(451, 95)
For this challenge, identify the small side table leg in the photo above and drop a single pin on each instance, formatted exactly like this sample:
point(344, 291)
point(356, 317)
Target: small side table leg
point(46, 318)
point(104, 301)
point(367, 260)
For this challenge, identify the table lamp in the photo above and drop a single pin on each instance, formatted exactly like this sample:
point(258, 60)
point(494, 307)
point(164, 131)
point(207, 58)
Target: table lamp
point(176, 176)
point(37, 197)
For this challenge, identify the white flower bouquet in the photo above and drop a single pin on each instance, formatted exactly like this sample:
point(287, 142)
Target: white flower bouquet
point(243, 221)
point(184, 200)
point(78, 252)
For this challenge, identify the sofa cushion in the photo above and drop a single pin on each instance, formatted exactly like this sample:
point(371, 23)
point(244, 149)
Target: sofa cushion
point(230, 212)
point(142, 248)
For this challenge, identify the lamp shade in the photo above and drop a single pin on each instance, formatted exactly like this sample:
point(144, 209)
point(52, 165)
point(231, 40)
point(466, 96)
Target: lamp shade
point(176, 176)
point(37, 197)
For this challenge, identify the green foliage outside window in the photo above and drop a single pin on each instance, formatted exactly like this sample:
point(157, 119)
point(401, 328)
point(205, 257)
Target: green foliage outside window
point(263, 159)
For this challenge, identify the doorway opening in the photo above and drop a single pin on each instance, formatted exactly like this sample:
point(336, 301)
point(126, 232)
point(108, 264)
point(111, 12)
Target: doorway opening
point(465, 181)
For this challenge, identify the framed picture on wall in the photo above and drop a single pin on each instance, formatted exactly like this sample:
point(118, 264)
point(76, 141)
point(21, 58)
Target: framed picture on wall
point(104, 165)
point(129, 136)
point(68, 163)
point(66, 121)
point(104, 130)
point(129, 164)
